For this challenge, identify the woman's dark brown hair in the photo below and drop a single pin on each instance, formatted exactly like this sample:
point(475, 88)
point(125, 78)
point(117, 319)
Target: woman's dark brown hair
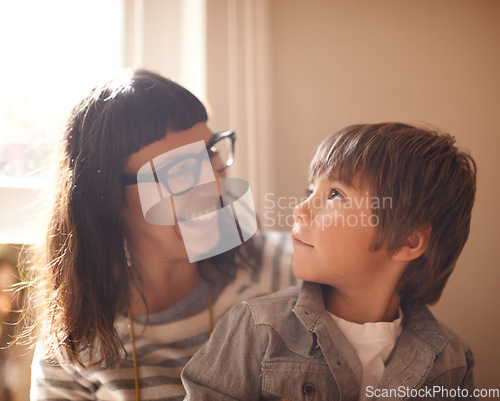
point(427, 180)
point(86, 277)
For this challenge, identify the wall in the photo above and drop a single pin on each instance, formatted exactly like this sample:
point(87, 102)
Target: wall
point(167, 37)
point(342, 62)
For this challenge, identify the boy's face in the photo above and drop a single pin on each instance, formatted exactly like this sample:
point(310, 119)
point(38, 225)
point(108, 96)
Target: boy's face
point(333, 231)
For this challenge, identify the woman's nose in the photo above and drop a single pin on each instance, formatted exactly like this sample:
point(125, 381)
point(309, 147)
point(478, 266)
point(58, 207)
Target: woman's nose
point(208, 172)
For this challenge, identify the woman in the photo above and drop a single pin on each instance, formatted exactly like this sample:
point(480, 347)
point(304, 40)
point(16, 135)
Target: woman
point(123, 307)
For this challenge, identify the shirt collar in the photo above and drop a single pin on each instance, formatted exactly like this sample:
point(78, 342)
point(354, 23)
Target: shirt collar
point(310, 306)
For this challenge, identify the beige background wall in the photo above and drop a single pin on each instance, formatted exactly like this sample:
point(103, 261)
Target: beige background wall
point(341, 62)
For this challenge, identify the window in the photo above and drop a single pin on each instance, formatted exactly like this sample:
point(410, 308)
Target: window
point(52, 53)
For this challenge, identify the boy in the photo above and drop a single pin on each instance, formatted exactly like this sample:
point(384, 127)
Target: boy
point(376, 240)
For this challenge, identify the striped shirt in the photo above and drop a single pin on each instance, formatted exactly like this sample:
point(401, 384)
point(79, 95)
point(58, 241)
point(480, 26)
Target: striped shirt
point(168, 340)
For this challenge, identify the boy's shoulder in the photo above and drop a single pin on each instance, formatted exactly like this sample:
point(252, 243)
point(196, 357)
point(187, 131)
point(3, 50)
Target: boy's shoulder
point(421, 321)
point(299, 306)
point(457, 352)
point(266, 307)
point(275, 310)
point(452, 352)
point(278, 296)
point(454, 339)
point(290, 310)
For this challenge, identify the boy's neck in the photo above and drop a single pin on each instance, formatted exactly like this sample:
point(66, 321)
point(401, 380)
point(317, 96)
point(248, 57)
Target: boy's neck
point(362, 307)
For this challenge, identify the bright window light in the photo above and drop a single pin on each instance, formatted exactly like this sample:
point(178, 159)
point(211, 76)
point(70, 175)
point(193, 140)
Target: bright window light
point(52, 53)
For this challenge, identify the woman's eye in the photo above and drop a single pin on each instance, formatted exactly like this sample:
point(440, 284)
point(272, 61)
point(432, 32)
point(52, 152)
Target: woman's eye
point(212, 152)
point(181, 169)
point(308, 192)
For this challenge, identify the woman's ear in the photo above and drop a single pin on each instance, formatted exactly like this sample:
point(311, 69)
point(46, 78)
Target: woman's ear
point(414, 245)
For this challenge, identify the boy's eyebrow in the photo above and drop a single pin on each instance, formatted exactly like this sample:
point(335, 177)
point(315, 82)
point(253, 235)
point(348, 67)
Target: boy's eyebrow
point(335, 179)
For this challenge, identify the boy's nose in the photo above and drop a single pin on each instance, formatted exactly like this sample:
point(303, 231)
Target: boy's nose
point(301, 213)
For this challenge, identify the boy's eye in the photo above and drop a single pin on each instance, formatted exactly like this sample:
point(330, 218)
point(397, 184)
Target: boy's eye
point(335, 194)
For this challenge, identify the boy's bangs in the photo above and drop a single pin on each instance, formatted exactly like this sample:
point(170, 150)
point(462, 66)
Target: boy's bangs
point(339, 157)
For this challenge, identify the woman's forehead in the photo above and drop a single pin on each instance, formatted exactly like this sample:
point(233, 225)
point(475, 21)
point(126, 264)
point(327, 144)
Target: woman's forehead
point(171, 141)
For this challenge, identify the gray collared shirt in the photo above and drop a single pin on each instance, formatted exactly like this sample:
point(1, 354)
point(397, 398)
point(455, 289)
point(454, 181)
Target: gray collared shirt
point(285, 346)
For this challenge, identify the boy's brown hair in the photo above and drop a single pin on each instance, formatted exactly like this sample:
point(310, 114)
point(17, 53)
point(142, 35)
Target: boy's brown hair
point(427, 180)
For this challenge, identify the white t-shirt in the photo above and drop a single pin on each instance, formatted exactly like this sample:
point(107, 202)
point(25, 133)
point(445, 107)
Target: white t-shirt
point(373, 343)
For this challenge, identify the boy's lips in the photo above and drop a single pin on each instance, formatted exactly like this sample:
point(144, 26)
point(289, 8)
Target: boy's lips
point(297, 241)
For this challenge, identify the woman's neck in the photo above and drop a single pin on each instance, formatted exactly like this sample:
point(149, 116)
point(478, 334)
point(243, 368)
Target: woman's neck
point(161, 284)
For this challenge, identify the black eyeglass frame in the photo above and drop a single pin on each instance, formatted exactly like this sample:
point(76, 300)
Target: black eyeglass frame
point(132, 179)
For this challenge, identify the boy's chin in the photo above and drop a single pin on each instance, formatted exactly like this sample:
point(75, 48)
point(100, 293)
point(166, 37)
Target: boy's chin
point(301, 272)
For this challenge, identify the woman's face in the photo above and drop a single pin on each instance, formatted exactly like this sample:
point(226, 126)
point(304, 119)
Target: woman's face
point(145, 239)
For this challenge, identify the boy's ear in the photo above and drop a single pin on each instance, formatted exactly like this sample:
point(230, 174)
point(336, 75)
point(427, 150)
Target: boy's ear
point(414, 245)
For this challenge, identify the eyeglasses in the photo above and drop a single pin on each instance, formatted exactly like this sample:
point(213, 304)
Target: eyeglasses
point(182, 174)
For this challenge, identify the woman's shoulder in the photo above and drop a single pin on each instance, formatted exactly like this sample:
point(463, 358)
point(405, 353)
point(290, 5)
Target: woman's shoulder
point(273, 266)
point(274, 241)
point(275, 249)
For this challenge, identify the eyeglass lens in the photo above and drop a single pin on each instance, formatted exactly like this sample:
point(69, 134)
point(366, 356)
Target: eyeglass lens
point(183, 175)
point(221, 154)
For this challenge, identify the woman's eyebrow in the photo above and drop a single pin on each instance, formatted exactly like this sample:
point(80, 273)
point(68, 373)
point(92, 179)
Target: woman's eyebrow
point(171, 160)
